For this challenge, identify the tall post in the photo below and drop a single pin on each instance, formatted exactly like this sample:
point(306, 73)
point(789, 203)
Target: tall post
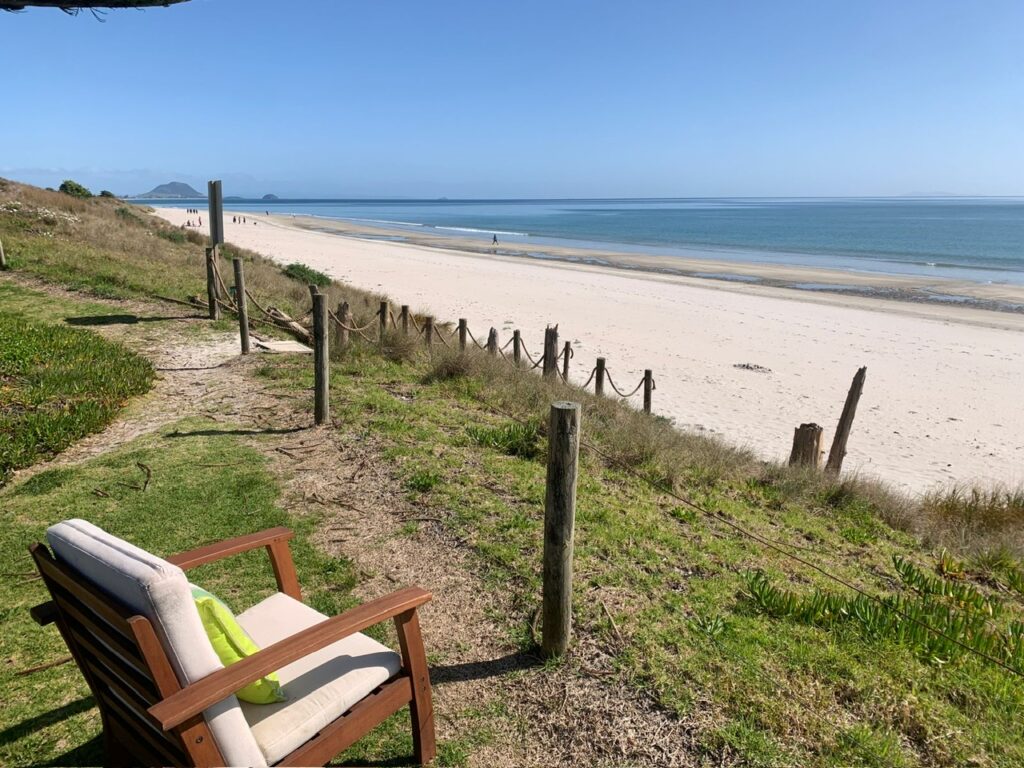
point(566, 356)
point(517, 348)
point(559, 522)
point(383, 325)
point(428, 331)
point(211, 283)
point(806, 446)
point(648, 389)
point(550, 352)
point(243, 307)
point(404, 317)
point(838, 450)
point(344, 316)
point(313, 291)
point(599, 377)
point(3, 256)
point(492, 341)
point(463, 332)
point(215, 208)
point(321, 363)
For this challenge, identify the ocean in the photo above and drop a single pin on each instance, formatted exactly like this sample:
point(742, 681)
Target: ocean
point(977, 239)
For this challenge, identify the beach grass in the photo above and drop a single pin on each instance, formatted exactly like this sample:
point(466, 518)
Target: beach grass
point(57, 383)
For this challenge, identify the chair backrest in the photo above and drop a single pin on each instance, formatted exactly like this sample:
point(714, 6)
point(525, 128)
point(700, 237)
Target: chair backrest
point(101, 585)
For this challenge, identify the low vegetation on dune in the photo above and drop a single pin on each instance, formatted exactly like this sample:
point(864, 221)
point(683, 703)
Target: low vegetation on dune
point(781, 616)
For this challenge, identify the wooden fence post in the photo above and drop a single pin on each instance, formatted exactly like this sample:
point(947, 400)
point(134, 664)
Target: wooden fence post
point(559, 522)
point(838, 450)
point(321, 362)
point(566, 356)
point(3, 256)
point(404, 316)
point(243, 307)
point(517, 348)
point(550, 352)
point(806, 446)
point(343, 320)
point(428, 331)
point(383, 311)
point(492, 341)
point(463, 328)
point(313, 291)
point(648, 389)
point(211, 283)
point(599, 377)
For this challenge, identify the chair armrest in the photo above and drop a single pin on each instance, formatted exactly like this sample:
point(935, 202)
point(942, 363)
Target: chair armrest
point(228, 547)
point(44, 613)
point(193, 699)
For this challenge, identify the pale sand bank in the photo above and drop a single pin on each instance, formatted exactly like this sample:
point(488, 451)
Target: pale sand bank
point(942, 400)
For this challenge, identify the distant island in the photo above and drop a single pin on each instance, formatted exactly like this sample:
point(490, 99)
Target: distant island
point(270, 197)
point(173, 189)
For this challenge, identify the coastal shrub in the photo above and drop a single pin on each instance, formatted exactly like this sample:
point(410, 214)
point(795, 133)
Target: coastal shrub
point(73, 188)
point(512, 439)
point(399, 347)
point(58, 384)
point(172, 235)
point(307, 275)
point(106, 193)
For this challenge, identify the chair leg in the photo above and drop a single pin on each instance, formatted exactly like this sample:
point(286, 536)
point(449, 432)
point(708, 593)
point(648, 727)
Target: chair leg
point(421, 708)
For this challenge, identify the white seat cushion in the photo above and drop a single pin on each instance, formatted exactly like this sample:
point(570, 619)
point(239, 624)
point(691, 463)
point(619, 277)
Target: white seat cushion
point(154, 588)
point(319, 687)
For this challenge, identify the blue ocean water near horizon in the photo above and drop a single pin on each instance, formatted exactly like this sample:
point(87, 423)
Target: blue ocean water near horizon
point(977, 239)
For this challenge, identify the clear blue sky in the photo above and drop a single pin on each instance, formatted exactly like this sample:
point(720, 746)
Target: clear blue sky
point(469, 98)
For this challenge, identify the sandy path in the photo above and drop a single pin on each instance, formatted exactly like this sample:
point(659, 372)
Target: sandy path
point(942, 395)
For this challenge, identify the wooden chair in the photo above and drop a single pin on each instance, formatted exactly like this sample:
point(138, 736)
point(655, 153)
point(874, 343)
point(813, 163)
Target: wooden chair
point(162, 703)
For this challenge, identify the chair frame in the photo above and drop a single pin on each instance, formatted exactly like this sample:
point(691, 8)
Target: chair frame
point(150, 719)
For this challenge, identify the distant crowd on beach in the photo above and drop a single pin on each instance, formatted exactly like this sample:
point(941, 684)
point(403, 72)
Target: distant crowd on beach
point(241, 220)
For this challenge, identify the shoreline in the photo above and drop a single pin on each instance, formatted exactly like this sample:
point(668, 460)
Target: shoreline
point(941, 379)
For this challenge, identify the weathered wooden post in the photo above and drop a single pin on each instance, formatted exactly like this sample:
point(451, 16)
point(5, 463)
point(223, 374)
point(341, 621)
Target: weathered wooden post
point(3, 256)
point(211, 283)
point(321, 361)
point(492, 341)
point(340, 329)
point(550, 352)
point(313, 291)
point(428, 331)
point(838, 451)
point(243, 307)
point(517, 348)
point(383, 325)
point(463, 331)
point(566, 357)
point(648, 389)
point(404, 317)
point(215, 207)
point(559, 522)
point(599, 377)
point(806, 446)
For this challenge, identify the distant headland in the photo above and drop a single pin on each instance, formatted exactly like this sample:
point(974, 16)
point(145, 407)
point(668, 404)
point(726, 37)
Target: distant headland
point(172, 189)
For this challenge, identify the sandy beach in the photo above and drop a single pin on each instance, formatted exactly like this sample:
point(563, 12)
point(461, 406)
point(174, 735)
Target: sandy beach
point(942, 399)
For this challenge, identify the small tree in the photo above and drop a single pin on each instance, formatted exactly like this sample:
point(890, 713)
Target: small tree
point(107, 193)
point(73, 188)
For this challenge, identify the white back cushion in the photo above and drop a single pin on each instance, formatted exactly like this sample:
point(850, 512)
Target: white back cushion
point(160, 592)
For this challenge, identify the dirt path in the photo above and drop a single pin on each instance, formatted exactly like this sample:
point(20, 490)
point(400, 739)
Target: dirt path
point(523, 713)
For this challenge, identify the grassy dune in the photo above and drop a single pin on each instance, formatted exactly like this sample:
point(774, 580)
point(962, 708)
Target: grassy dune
point(772, 661)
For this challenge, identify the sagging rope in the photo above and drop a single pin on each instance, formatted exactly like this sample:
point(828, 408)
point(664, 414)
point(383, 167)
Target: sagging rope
point(473, 338)
point(608, 378)
point(359, 331)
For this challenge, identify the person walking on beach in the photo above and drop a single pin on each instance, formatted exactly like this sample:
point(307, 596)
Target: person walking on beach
point(494, 240)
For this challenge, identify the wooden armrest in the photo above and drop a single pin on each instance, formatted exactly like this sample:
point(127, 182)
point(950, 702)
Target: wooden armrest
point(194, 698)
point(44, 613)
point(228, 547)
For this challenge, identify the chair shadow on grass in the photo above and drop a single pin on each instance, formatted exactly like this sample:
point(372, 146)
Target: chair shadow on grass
point(125, 319)
point(481, 670)
point(90, 753)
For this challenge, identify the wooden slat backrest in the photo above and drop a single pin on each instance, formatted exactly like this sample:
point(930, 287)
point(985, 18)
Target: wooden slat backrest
point(126, 667)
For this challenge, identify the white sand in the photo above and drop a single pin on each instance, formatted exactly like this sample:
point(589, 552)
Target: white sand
point(942, 401)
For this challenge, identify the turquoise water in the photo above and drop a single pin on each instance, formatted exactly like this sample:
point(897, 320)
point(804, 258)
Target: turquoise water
point(980, 239)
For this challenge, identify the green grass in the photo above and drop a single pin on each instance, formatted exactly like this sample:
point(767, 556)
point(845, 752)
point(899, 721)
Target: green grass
point(306, 275)
point(204, 488)
point(57, 384)
point(782, 690)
